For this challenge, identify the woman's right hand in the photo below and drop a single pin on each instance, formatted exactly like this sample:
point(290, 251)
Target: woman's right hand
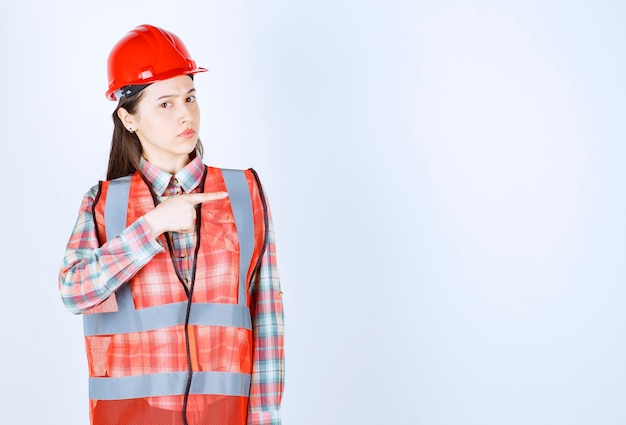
point(178, 213)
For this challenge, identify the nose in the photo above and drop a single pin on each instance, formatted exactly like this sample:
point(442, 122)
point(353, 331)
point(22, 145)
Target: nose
point(185, 114)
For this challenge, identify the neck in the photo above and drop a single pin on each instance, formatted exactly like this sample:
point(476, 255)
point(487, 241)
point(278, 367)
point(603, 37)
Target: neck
point(170, 165)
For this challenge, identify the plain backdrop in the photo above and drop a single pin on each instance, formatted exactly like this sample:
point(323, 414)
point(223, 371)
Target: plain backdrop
point(446, 179)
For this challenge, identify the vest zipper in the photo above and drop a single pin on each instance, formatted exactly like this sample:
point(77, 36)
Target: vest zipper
point(190, 340)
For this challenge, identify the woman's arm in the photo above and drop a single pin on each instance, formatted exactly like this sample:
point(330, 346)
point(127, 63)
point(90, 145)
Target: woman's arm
point(266, 388)
point(91, 273)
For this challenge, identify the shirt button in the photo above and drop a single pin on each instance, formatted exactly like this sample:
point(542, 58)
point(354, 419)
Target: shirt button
point(175, 181)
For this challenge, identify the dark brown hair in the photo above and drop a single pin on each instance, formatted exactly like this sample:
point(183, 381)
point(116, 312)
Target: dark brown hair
point(125, 154)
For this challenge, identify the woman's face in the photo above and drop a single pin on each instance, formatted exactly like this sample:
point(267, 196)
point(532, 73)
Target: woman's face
point(167, 122)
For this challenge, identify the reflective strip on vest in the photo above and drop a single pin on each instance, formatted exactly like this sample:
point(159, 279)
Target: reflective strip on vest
point(237, 187)
point(115, 212)
point(164, 316)
point(164, 384)
point(127, 319)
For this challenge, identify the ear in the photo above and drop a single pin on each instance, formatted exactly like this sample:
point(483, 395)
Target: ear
point(127, 119)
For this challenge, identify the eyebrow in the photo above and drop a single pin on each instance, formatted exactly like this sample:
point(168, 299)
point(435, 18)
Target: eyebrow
point(167, 96)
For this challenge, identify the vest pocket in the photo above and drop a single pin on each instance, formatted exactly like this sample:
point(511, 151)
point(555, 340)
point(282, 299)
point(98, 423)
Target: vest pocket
point(224, 349)
point(98, 355)
point(107, 306)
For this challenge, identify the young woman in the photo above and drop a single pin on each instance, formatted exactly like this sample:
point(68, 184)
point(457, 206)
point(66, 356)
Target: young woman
point(172, 263)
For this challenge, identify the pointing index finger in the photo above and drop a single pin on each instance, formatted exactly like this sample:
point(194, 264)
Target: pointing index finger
point(198, 198)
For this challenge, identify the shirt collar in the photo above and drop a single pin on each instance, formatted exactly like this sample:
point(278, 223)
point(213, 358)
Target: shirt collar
point(189, 177)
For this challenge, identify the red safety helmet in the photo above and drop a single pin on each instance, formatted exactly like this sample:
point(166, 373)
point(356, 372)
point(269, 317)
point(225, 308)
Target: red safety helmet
point(147, 54)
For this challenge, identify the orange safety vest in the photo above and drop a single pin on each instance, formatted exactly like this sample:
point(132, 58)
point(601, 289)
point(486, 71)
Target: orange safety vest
point(162, 351)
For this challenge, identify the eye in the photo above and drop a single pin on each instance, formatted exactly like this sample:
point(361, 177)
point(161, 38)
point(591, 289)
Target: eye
point(165, 105)
point(191, 99)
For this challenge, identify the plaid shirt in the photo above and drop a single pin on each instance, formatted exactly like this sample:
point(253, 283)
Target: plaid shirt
point(91, 273)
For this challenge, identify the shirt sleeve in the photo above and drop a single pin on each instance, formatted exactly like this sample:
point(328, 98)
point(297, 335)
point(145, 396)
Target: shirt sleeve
point(90, 273)
point(266, 388)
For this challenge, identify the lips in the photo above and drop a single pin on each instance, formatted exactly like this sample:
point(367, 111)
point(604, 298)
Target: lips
point(187, 133)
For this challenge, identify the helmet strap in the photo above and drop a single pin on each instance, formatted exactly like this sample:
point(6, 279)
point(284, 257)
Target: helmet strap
point(128, 91)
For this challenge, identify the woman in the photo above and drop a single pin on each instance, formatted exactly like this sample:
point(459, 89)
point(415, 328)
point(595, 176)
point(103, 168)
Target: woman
point(172, 263)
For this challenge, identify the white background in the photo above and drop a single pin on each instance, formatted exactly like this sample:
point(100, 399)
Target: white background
point(446, 179)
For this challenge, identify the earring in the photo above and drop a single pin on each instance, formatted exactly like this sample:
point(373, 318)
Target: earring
point(130, 130)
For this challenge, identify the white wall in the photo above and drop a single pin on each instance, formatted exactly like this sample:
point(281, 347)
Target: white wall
point(446, 179)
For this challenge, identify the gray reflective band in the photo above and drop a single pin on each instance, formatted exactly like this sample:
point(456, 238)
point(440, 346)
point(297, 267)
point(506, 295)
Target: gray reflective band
point(163, 316)
point(115, 211)
point(172, 383)
point(239, 195)
point(127, 319)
